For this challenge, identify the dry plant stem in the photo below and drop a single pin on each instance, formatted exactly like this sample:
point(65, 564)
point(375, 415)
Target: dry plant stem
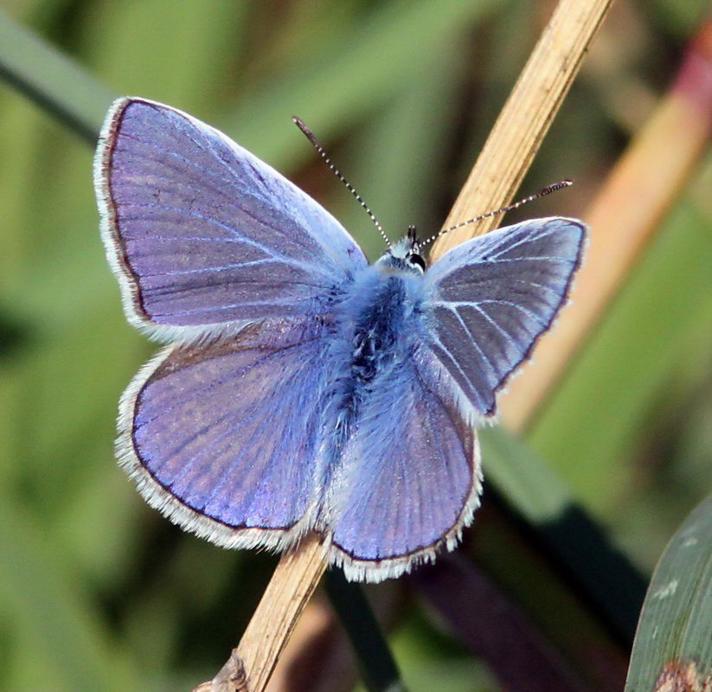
point(624, 217)
point(525, 118)
point(498, 171)
point(312, 651)
point(251, 663)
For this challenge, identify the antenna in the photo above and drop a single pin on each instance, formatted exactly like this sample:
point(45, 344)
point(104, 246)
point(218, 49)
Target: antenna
point(322, 152)
point(502, 210)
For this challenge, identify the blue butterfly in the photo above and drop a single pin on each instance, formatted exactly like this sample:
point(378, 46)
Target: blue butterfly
point(304, 389)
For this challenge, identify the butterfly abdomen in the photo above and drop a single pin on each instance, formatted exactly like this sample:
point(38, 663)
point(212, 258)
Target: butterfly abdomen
point(373, 338)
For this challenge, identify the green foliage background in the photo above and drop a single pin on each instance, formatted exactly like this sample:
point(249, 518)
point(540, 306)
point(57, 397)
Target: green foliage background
point(99, 593)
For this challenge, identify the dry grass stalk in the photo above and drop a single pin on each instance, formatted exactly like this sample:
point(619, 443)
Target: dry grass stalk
point(292, 585)
point(525, 118)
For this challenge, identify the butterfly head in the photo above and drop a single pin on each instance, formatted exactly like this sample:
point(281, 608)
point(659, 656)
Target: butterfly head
point(405, 254)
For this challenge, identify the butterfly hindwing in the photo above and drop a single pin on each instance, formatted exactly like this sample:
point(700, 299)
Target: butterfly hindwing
point(410, 475)
point(202, 234)
point(492, 297)
point(223, 438)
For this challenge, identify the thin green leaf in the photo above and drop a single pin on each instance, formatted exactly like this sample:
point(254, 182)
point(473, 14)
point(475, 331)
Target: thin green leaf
point(55, 82)
point(394, 43)
point(673, 642)
point(392, 161)
point(376, 662)
point(573, 538)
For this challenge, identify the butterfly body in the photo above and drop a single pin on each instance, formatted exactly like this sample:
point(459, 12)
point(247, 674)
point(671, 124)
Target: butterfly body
point(372, 337)
point(304, 389)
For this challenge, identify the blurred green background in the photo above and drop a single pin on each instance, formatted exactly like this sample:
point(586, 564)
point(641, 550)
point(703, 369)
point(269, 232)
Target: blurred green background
point(97, 592)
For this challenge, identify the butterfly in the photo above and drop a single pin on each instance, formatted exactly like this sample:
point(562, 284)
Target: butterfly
point(302, 388)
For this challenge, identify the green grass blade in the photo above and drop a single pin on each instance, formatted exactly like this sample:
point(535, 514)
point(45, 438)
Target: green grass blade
point(394, 158)
point(59, 86)
point(395, 42)
point(577, 544)
point(376, 662)
point(673, 636)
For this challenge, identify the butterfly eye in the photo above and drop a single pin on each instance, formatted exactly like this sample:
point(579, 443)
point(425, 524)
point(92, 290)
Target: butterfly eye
point(416, 260)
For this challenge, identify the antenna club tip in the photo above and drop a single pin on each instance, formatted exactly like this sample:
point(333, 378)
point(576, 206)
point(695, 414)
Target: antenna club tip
point(555, 187)
point(306, 131)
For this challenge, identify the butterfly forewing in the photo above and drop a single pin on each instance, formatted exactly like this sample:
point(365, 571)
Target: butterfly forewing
point(492, 297)
point(202, 233)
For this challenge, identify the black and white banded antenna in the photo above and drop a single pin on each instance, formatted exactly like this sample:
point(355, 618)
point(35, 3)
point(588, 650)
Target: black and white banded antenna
point(325, 157)
point(502, 210)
